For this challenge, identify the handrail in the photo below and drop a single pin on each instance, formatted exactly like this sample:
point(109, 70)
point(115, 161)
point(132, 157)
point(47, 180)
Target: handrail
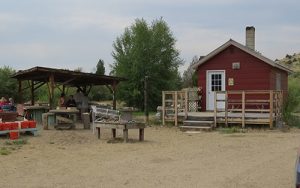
point(265, 101)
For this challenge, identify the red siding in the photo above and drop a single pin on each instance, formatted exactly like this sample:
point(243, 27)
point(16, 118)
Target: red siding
point(253, 74)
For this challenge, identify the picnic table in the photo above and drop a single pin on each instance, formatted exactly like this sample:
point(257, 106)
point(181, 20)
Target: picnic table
point(121, 125)
point(36, 112)
point(65, 118)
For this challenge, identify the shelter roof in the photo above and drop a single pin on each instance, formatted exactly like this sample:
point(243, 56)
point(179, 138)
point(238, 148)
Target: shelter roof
point(245, 49)
point(66, 77)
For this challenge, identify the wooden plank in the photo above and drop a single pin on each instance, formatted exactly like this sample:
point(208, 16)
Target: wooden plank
point(226, 109)
point(64, 119)
point(243, 109)
point(215, 109)
point(271, 109)
point(141, 134)
point(196, 127)
point(125, 135)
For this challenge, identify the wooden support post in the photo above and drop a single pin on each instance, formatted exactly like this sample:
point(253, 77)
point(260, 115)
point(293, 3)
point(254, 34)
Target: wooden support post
point(32, 92)
point(163, 108)
point(215, 109)
point(98, 129)
point(271, 109)
point(243, 109)
point(141, 134)
point(20, 92)
point(51, 91)
point(125, 135)
point(114, 96)
point(176, 108)
point(186, 97)
point(226, 108)
point(113, 131)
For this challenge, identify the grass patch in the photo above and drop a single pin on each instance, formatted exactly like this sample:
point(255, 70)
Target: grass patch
point(4, 151)
point(16, 142)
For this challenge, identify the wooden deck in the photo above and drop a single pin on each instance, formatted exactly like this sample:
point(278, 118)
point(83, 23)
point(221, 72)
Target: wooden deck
point(231, 107)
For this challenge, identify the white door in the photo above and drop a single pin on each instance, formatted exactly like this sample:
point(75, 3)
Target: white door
point(215, 82)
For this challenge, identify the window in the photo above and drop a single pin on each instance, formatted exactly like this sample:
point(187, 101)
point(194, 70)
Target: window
point(216, 82)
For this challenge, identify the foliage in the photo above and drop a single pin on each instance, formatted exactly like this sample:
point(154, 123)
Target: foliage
point(8, 85)
point(189, 78)
point(99, 93)
point(146, 50)
point(4, 151)
point(293, 99)
point(100, 69)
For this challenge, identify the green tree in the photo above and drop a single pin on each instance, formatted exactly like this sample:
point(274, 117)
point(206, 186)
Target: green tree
point(146, 50)
point(189, 78)
point(99, 93)
point(8, 85)
point(100, 69)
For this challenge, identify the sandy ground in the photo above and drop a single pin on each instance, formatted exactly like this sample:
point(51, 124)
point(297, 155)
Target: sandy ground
point(167, 158)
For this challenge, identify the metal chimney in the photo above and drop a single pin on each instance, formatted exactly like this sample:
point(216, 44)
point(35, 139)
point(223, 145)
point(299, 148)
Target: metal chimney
point(250, 37)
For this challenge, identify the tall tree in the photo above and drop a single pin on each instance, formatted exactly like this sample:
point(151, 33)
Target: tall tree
point(100, 69)
point(8, 85)
point(146, 50)
point(189, 78)
point(98, 93)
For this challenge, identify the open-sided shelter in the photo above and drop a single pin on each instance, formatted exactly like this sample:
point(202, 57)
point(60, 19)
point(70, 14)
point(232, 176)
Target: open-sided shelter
point(38, 76)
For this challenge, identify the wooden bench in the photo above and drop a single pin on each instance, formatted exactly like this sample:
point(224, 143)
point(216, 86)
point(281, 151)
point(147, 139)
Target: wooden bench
point(119, 125)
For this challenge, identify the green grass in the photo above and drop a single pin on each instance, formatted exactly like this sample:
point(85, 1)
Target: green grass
point(4, 151)
point(16, 142)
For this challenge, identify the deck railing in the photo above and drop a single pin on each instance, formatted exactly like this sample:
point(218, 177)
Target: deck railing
point(248, 107)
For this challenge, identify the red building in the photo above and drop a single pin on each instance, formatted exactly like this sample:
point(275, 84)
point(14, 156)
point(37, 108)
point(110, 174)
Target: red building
point(234, 66)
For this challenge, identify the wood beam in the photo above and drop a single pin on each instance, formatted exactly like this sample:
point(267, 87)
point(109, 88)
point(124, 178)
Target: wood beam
point(32, 92)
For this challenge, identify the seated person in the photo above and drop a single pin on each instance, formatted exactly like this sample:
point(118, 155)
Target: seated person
point(3, 101)
point(71, 102)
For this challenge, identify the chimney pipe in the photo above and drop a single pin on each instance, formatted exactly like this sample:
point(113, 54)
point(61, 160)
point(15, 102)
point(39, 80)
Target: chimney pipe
point(250, 37)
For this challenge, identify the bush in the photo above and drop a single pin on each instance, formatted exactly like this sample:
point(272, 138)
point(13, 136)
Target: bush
point(293, 100)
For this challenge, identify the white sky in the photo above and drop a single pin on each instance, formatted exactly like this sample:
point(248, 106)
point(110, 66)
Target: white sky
point(76, 33)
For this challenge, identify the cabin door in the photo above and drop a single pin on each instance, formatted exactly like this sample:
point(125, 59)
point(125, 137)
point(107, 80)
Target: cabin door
point(215, 82)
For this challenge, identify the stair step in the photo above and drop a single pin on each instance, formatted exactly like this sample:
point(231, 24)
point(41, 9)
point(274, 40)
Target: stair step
point(197, 123)
point(193, 121)
point(195, 127)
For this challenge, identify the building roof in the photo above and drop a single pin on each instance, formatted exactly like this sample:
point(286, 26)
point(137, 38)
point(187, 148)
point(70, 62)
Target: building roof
point(66, 77)
point(245, 49)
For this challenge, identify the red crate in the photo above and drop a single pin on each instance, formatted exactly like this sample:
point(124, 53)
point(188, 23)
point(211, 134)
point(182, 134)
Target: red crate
point(13, 135)
point(6, 126)
point(25, 124)
point(32, 124)
point(14, 126)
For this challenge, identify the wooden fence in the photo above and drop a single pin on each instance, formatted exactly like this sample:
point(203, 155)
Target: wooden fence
point(248, 107)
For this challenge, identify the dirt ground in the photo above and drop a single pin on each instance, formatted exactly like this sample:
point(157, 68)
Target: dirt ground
point(167, 158)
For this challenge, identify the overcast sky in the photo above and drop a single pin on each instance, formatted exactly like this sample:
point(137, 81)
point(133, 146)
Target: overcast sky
point(76, 33)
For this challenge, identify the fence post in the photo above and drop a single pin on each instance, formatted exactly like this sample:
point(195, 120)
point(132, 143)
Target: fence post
point(215, 109)
point(243, 109)
point(271, 109)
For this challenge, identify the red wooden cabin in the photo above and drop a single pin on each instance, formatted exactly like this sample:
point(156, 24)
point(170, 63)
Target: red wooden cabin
point(234, 66)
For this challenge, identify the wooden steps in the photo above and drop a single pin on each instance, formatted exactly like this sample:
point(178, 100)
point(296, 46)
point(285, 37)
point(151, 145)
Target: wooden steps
point(197, 125)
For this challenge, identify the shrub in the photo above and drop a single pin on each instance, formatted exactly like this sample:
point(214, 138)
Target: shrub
point(293, 100)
